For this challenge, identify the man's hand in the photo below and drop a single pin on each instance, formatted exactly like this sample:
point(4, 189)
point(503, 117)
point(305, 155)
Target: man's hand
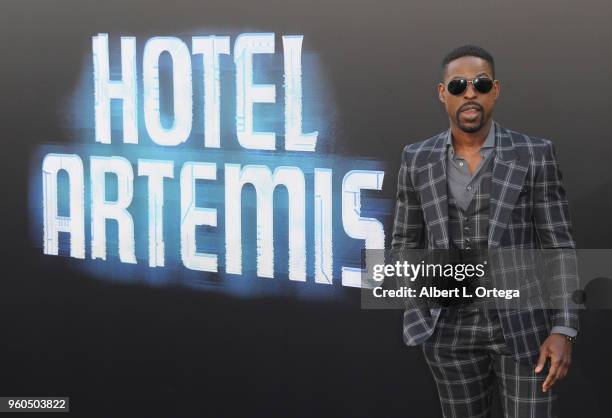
point(559, 349)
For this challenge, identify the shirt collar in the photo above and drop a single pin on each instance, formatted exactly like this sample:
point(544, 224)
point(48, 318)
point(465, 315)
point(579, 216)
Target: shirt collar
point(488, 143)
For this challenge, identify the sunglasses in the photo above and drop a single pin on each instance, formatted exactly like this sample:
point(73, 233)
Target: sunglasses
point(458, 85)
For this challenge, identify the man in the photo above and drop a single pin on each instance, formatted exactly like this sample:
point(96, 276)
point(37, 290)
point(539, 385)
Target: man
point(479, 185)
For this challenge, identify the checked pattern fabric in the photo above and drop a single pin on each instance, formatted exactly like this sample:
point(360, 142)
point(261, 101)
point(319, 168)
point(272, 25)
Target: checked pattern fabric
point(469, 359)
point(528, 210)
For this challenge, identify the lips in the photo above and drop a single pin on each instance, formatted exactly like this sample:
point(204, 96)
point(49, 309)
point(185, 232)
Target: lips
point(470, 111)
point(471, 108)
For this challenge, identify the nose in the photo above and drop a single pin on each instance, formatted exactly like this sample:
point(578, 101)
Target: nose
point(470, 92)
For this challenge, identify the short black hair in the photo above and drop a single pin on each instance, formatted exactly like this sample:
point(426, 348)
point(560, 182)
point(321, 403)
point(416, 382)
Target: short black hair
point(469, 51)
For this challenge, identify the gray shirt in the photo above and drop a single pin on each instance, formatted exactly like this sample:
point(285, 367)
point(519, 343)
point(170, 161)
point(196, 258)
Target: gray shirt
point(462, 184)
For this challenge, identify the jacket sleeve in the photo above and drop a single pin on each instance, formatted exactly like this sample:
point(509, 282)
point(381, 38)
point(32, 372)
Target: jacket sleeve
point(408, 231)
point(551, 218)
point(408, 224)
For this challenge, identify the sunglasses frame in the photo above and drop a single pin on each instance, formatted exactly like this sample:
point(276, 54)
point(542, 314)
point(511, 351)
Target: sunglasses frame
point(468, 82)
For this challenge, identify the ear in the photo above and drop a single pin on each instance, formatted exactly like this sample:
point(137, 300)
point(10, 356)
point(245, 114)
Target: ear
point(441, 92)
point(496, 88)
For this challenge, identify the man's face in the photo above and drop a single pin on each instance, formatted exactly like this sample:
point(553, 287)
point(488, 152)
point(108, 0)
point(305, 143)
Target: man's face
point(470, 110)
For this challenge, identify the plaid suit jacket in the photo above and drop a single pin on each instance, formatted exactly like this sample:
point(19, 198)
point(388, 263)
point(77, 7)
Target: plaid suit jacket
point(528, 210)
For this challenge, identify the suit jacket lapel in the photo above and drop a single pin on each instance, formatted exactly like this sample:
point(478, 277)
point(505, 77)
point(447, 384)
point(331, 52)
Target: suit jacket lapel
point(508, 176)
point(509, 169)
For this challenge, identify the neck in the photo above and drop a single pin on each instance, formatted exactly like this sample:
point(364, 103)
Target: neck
point(463, 139)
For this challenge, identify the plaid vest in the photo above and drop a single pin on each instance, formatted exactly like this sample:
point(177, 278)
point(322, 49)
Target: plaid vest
point(468, 233)
point(469, 229)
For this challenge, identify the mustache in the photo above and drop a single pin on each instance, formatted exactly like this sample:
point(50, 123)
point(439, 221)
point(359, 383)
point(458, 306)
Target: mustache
point(470, 104)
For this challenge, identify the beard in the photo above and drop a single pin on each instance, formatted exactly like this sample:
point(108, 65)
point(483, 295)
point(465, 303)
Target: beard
point(470, 128)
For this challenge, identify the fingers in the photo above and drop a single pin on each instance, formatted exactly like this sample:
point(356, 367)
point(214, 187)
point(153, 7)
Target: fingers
point(559, 367)
point(541, 360)
point(568, 359)
point(558, 370)
point(564, 367)
point(553, 373)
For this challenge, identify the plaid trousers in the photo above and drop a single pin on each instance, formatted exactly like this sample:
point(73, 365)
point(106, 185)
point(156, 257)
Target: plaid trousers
point(468, 358)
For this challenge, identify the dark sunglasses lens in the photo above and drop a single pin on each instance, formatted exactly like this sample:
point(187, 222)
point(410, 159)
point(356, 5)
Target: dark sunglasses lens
point(457, 87)
point(483, 85)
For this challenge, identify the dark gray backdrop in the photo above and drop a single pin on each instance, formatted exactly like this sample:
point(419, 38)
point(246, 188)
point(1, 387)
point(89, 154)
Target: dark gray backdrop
point(153, 352)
